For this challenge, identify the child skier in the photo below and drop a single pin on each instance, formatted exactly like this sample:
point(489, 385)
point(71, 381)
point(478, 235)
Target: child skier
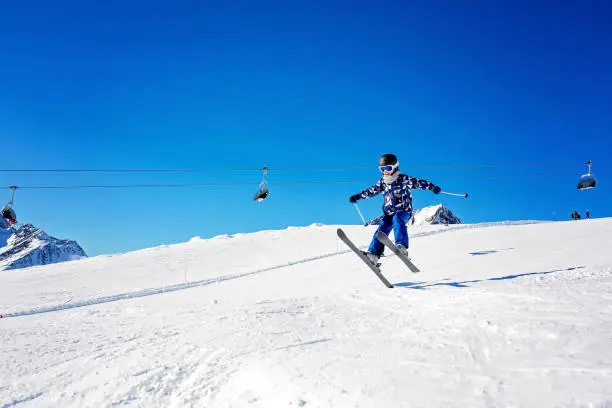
point(397, 206)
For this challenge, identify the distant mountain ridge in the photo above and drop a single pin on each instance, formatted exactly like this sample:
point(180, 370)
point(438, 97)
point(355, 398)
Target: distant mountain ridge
point(31, 246)
point(435, 214)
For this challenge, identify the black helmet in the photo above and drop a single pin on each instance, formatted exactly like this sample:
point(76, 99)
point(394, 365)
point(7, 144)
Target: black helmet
point(387, 160)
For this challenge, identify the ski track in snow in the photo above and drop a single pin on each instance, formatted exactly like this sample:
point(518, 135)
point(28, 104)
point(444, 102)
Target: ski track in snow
point(166, 289)
point(501, 317)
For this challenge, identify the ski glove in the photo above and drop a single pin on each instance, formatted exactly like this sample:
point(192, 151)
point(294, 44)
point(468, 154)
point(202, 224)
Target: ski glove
point(354, 198)
point(436, 190)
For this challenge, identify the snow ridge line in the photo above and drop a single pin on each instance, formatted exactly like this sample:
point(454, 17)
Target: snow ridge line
point(204, 282)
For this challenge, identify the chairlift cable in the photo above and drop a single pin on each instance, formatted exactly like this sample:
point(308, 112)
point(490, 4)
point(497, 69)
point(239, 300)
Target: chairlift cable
point(293, 169)
point(246, 183)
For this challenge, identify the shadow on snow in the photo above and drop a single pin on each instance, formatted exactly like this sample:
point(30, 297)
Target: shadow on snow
point(491, 251)
point(465, 284)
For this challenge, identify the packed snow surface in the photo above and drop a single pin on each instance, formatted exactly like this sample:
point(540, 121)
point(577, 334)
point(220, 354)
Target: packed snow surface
point(501, 316)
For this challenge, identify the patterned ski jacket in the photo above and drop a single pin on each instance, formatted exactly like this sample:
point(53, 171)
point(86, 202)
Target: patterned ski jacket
point(397, 195)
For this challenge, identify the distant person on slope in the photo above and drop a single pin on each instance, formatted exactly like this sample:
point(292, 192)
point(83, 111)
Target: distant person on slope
point(397, 207)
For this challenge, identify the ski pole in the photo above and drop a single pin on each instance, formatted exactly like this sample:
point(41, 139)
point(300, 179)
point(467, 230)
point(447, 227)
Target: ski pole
point(455, 194)
point(361, 215)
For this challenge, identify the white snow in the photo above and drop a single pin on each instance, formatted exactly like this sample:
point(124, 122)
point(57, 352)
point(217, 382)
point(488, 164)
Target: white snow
point(502, 315)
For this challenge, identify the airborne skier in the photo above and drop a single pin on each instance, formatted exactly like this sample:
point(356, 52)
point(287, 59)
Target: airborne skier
point(397, 206)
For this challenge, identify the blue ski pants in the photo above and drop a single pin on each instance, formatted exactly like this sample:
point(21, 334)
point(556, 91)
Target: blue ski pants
point(397, 223)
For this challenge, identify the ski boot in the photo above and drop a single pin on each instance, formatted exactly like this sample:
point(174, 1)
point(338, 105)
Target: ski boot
point(403, 250)
point(373, 258)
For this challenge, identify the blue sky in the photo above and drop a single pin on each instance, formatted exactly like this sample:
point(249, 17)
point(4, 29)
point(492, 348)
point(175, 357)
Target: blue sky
point(292, 84)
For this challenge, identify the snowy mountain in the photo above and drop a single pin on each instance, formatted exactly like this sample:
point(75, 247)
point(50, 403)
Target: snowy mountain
point(432, 215)
point(30, 246)
point(5, 232)
point(502, 315)
point(435, 214)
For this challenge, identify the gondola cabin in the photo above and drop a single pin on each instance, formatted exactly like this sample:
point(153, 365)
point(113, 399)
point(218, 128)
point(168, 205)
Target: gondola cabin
point(263, 191)
point(7, 212)
point(261, 194)
point(587, 181)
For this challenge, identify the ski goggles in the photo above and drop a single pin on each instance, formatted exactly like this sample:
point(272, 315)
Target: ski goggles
point(389, 168)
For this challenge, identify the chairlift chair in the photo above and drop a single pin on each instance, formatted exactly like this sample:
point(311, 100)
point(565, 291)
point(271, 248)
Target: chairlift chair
point(263, 191)
point(7, 212)
point(587, 181)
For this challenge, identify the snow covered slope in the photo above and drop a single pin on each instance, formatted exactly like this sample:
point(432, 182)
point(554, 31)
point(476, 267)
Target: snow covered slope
point(31, 246)
point(435, 214)
point(501, 316)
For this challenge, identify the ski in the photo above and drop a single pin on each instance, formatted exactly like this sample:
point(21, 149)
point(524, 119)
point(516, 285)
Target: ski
point(384, 239)
point(362, 256)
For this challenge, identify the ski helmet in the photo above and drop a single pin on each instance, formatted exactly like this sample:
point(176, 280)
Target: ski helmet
point(387, 160)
